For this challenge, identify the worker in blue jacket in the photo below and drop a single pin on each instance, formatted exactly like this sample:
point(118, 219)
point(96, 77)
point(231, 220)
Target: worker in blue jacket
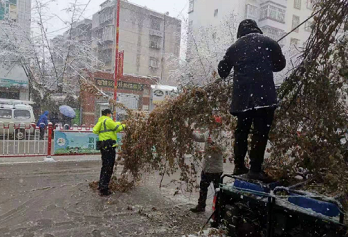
point(42, 124)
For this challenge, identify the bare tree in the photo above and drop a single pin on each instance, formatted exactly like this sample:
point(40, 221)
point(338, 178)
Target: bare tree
point(52, 66)
point(205, 47)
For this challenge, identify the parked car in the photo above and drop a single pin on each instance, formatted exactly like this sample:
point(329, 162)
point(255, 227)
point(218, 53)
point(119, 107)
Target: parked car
point(20, 114)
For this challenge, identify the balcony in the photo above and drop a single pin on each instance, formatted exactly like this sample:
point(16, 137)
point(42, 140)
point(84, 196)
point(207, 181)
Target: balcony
point(272, 14)
point(156, 33)
point(281, 3)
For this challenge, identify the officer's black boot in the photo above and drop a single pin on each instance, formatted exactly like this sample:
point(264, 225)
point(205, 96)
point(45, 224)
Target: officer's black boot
point(105, 192)
point(198, 209)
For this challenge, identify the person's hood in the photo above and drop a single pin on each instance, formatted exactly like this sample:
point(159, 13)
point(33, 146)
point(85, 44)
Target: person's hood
point(45, 113)
point(248, 26)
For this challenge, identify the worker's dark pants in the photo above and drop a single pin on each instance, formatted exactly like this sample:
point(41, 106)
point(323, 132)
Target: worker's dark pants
point(42, 133)
point(108, 162)
point(262, 120)
point(206, 179)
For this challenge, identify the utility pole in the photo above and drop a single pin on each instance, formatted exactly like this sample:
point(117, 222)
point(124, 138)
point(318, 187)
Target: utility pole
point(117, 15)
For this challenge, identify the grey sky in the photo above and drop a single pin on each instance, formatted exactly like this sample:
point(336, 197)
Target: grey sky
point(176, 8)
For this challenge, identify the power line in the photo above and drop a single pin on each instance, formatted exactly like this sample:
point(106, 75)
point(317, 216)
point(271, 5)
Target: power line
point(299, 25)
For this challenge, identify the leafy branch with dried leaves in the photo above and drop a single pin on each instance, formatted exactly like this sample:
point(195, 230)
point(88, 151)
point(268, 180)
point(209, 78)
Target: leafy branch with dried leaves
point(308, 135)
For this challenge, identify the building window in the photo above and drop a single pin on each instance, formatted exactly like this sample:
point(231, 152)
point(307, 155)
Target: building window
point(280, 15)
point(297, 4)
point(264, 12)
point(252, 12)
point(216, 13)
point(153, 62)
point(308, 26)
point(106, 15)
point(273, 12)
point(10, 95)
point(156, 23)
point(155, 42)
point(295, 22)
point(191, 5)
point(310, 4)
point(294, 42)
point(105, 56)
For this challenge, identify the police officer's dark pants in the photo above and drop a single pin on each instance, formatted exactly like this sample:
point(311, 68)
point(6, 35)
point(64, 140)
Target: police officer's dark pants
point(108, 162)
point(206, 179)
point(262, 120)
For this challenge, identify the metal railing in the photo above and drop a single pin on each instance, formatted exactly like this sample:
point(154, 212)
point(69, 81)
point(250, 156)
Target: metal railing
point(23, 139)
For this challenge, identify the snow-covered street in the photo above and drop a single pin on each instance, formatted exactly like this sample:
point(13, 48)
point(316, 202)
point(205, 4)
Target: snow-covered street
point(54, 199)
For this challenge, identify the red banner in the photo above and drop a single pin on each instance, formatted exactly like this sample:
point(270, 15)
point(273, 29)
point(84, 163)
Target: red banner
point(120, 63)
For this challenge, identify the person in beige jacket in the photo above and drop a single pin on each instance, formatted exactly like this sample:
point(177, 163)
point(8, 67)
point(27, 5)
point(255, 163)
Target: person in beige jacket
point(215, 150)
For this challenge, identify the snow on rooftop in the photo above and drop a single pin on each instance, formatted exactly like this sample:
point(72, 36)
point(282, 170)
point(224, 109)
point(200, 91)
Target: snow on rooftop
point(15, 102)
point(111, 3)
point(139, 76)
point(164, 87)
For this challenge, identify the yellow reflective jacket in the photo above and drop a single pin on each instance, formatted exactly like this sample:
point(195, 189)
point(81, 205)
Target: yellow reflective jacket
point(107, 129)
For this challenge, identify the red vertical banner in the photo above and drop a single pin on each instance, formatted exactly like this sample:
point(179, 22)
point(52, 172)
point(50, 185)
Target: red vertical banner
point(49, 147)
point(120, 65)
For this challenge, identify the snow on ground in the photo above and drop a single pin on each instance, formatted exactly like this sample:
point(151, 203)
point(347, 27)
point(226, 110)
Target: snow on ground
point(208, 233)
point(53, 199)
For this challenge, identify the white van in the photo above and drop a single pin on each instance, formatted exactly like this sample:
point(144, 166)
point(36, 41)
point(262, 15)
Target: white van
point(17, 112)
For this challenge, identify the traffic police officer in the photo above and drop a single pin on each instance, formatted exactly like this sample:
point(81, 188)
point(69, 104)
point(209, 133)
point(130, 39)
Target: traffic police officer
point(107, 130)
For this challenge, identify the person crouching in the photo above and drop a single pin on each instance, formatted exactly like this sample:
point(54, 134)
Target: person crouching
point(214, 152)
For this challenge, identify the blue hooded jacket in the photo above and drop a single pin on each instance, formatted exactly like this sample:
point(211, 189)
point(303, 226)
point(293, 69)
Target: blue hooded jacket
point(43, 119)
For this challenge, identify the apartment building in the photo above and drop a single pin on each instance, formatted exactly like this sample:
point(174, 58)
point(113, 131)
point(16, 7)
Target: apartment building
point(13, 80)
point(148, 39)
point(274, 17)
point(80, 32)
point(17, 11)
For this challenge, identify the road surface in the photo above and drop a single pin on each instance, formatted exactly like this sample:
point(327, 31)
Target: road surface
point(54, 200)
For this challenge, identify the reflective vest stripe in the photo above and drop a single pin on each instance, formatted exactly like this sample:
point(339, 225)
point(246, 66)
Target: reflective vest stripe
point(108, 130)
point(105, 130)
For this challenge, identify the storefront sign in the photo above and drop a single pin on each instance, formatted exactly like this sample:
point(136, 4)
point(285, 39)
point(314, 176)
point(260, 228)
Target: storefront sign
point(75, 142)
point(130, 86)
point(120, 84)
point(12, 83)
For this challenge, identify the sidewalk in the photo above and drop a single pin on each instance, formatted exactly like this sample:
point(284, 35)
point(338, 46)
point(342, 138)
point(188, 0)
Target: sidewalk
point(39, 159)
